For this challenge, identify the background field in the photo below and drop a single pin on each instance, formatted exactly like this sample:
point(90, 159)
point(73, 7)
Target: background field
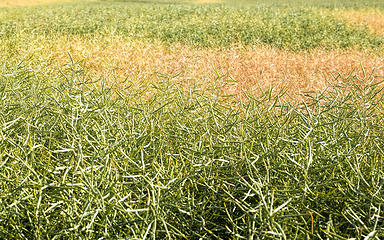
point(191, 119)
point(290, 45)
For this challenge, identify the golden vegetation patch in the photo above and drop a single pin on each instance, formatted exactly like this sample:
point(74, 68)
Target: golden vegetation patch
point(373, 19)
point(14, 3)
point(249, 66)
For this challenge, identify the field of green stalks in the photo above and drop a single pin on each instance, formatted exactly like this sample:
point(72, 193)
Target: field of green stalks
point(216, 25)
point(84, 158)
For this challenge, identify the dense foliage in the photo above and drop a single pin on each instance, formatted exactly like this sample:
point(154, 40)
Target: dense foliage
point(155, 159)
point(78, 158)
point(195, 25)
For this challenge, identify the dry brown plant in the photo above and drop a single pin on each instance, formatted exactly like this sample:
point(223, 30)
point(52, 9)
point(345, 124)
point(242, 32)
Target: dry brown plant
point(250, 67)
point(373, 19)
